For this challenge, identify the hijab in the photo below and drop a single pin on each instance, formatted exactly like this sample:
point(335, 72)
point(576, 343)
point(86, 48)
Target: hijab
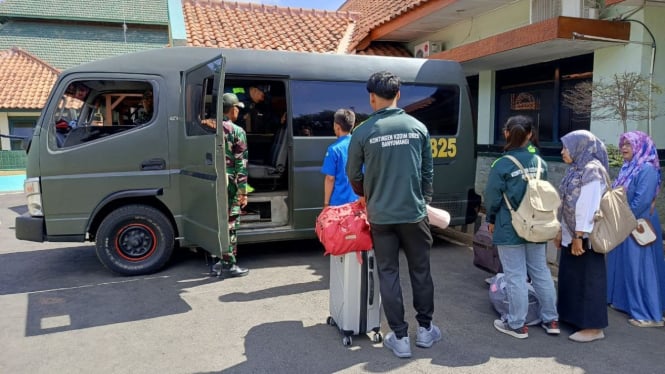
point(644, 152)
point(589, 159)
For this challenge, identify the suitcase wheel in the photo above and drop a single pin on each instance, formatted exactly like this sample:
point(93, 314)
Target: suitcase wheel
point(330, 321)
point(377, 337)
point(347, 341)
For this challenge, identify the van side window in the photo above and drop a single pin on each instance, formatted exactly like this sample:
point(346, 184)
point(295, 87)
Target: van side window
point(93, 109)
point(201, 88)
point(315, 103)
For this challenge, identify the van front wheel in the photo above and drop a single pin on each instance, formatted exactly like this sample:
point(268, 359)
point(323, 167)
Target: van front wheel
point(135, 240)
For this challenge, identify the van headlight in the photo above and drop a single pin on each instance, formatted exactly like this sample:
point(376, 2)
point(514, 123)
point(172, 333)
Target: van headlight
point(34, 195)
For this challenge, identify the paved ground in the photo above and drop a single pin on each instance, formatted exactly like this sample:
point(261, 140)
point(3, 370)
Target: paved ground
point(64, 313)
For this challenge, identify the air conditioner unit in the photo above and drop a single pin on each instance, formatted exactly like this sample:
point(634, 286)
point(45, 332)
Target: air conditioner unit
point(425, 49)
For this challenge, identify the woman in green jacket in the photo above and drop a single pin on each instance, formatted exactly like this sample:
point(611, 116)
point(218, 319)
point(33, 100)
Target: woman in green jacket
point(519, 257)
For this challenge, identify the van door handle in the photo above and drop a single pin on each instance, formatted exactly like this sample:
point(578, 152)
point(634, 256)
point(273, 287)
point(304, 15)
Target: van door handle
point(153, 164)
point(208, 158)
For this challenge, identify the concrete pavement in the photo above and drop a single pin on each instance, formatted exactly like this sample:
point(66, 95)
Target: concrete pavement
point(63, 312)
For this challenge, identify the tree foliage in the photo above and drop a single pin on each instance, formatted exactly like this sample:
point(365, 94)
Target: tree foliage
point(624, 97)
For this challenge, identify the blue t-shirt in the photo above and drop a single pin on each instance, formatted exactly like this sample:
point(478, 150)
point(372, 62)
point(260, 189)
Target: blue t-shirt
point(334, 164)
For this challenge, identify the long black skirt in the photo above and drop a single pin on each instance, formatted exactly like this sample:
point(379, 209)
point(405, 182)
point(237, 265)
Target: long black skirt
point(582, 297)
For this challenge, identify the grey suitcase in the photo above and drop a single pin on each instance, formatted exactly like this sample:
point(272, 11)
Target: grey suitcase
point(355, 303)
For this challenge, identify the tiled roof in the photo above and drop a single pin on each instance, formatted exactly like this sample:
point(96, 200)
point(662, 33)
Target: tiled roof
point(26, 80)
point(66, 45)
point(375, 13)
point(130, 11)
point(386, 49)
point(226, 24)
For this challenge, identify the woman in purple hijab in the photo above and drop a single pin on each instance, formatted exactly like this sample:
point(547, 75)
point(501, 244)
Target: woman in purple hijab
point(635, 273)
point(582, 276)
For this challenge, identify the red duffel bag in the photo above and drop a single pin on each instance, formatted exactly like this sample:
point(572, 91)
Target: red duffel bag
point(343, 229)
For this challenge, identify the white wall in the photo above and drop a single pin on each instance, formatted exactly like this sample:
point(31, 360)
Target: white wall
point(497, 21)
point(486, 106)
point(4, 129)
point(634, 57)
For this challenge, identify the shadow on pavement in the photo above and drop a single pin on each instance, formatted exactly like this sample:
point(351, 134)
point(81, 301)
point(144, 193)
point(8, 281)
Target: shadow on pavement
point(69, 289)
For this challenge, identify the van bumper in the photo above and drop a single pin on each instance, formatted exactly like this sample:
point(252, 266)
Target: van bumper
point(30, 228)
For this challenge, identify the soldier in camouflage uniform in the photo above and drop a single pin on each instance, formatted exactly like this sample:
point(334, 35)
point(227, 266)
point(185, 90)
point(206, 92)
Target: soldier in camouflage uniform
point(236, 169)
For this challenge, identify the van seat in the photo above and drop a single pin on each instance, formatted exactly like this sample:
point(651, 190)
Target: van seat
point(277, 164)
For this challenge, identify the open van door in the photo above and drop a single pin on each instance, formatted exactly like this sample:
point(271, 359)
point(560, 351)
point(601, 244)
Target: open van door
point(203, 180)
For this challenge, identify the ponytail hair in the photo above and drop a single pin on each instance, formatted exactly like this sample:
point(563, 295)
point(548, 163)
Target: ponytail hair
point(519, 129)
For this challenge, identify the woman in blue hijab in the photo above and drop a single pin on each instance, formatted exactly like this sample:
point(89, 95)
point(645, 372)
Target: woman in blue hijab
point(636, 273)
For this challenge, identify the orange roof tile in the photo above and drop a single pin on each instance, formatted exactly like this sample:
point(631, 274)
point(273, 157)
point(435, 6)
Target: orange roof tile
point(375, 13)
point(225, 24)
point(26, 80)
point(385, 49)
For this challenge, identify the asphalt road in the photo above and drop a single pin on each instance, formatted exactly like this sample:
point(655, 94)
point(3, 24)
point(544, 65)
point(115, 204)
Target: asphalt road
point(63, 312)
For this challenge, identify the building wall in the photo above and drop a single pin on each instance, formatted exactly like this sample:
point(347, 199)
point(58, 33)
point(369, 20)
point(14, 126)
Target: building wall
point(634, 57)
point(4, 129)
point(4, 125)
point(497, 21)
point(486, 106)
point(607, 62)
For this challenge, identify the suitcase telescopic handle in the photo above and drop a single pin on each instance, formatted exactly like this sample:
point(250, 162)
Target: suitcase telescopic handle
point(371, 288)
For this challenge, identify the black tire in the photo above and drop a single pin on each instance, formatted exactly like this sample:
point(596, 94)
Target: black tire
point(135, 240)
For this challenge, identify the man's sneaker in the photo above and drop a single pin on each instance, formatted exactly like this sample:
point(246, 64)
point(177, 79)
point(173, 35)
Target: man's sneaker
point(519, 333)
point(217, 268)
point(427, 337)
point(551, 327)
point(234, 271)
point(400, 347)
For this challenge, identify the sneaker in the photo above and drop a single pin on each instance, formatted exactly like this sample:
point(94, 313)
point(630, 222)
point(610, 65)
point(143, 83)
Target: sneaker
point(551, 327)
point(400, 347)
point(519, 333)
point(234, 271)
point(427, 337)
point(217, 268)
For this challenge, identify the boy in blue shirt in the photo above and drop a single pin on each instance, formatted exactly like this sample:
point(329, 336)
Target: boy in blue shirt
point(336, 187)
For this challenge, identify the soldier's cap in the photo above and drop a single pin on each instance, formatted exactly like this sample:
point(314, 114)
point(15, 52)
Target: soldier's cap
point(229, 100)
point(147, 94)
point(265, 88)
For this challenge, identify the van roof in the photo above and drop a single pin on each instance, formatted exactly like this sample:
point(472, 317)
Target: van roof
point(310, 66)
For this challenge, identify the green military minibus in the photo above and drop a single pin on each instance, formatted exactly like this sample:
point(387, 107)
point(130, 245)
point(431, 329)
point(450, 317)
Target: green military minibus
point(139, 189)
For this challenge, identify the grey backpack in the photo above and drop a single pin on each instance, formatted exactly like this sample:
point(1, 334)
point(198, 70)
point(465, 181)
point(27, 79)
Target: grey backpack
point(499, 300)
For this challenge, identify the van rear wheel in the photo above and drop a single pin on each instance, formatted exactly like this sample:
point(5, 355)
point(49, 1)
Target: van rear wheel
point(135, 240)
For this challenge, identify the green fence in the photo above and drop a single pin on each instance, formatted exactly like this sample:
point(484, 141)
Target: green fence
point(12, 160)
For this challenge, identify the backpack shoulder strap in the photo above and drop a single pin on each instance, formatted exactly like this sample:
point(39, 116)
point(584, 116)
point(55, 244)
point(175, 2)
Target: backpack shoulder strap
point(526, 175)
point(539, 167)
point(519, 165)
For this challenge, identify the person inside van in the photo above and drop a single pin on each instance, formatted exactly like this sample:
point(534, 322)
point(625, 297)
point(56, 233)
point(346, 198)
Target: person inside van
point(257, 115)
point(144, 113)
point(62, 129)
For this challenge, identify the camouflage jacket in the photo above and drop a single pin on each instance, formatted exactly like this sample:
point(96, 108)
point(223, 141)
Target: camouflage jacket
point(236, 163)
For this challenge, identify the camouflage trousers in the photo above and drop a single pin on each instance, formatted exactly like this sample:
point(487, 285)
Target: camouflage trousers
point(230, 255)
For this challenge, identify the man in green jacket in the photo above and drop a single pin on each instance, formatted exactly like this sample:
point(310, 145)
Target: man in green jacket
point(390, 166)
